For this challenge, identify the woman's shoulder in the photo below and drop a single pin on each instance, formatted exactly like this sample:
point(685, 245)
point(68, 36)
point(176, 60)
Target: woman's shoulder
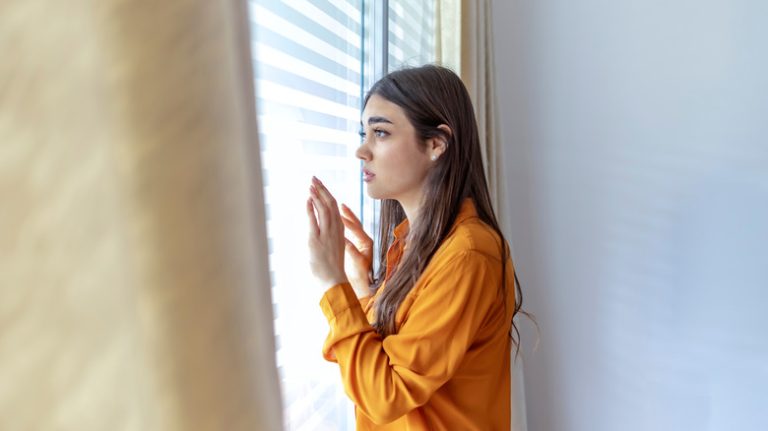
point(471, 248)
point(471, 237)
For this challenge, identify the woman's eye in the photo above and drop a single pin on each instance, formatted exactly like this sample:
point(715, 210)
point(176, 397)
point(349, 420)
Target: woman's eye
point(376, 132)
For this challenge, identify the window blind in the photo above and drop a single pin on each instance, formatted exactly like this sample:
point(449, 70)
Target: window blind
point(411, 32)
point(307, 64)
point(312, 62)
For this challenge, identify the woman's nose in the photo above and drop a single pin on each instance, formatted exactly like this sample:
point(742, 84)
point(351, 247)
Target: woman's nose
point(362, 152)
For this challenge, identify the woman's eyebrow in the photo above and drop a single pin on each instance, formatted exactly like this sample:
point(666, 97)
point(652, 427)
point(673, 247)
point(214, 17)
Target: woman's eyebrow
point(374, 120)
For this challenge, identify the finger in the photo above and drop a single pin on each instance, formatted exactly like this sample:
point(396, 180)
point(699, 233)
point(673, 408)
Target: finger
point(358, 233)
point(351, 221)
point(351, 215)
point(350, 224)
point(325, 195)
point(354, 253)
point(320, 207)
point(332, 210)
point(313, 228)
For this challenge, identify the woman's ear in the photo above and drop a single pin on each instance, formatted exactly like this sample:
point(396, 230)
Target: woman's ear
point(439, 144)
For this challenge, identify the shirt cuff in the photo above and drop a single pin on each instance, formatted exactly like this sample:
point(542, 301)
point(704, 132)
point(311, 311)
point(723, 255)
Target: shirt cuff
point(365, 303)
point(337, 299)
point(345, 316)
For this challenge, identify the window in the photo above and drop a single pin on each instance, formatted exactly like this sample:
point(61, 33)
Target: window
point(312, 62)
point(411, 33)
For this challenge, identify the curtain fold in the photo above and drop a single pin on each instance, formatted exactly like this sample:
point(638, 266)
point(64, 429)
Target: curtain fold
point(464, 43)
point(134, 287)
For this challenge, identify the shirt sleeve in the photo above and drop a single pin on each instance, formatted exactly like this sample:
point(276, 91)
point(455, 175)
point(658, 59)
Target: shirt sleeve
point(365, 301)
point(388, 378)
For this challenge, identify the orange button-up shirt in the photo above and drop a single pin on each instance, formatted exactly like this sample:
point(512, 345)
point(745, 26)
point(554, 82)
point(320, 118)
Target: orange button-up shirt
point(448, 365)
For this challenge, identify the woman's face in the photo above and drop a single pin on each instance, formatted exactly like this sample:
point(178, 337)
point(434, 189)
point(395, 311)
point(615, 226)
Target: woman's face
point(395, 163)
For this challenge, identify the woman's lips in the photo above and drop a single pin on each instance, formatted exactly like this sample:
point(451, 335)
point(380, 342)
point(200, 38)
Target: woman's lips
point(367, 175)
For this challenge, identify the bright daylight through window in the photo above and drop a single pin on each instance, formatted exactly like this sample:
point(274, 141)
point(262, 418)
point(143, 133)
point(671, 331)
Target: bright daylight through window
point(313, 61)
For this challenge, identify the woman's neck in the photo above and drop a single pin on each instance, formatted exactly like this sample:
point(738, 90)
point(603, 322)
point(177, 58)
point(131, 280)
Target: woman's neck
point(411, 210)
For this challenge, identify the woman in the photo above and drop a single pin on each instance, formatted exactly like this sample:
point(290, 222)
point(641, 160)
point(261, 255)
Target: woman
point(425, 344)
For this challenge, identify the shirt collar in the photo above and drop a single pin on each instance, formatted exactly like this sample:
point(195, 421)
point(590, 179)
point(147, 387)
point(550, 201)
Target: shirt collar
point(402, 229)
point(466, 211)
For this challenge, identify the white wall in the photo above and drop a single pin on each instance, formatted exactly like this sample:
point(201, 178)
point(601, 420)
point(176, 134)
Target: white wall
point(637, 144)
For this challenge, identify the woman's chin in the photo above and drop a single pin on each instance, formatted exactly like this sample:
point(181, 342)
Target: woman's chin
point(373, 193)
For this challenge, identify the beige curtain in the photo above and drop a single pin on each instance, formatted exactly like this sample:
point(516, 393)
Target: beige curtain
point(134, 293)
point(464, 42)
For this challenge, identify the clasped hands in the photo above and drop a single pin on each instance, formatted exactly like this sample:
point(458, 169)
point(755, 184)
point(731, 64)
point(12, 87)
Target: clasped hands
point(328, 246)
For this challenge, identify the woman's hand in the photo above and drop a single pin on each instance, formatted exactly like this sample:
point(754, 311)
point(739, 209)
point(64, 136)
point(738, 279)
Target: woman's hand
point(360, 253)
point(326, 236)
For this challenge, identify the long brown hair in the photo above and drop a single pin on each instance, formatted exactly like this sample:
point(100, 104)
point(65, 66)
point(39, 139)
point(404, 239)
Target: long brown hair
point(430, 96)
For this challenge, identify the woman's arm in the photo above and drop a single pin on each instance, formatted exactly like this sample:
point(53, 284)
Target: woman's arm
point(388, 378)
